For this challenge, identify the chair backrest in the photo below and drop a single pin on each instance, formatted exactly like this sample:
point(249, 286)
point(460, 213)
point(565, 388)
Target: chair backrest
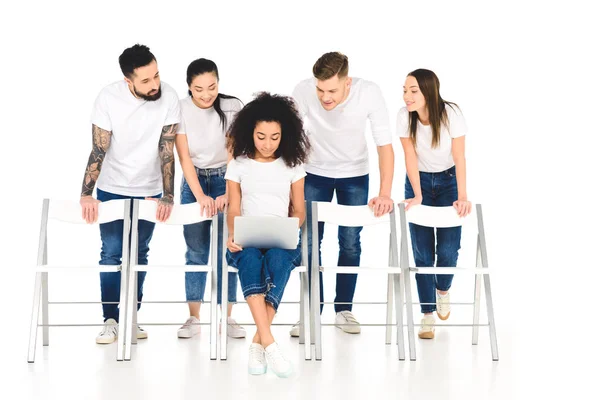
point(70, 211)
point(352, 216)
point(434, 217)
point(181, 214)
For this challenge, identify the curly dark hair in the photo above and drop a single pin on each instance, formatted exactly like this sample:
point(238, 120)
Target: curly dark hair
point(266, 107)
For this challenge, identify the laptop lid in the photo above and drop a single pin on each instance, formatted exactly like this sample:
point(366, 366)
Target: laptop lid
point(266, 232)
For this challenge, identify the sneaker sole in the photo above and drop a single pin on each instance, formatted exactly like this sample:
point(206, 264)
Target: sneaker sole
point(426, 335)
point(106, 341)
point(257, 371)
point(346, 329)
point(142, 336)
point(186, 335)
point(294, 334)
point(237, 336)
point(442, 317)
point(286, 374)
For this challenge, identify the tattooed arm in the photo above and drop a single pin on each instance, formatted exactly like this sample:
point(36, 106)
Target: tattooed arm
point(100, 143)
point(167, 167)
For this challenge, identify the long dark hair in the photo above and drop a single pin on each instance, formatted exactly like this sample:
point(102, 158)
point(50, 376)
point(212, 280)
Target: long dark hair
point(294, 146)
point(202, 66)
point(429, 84)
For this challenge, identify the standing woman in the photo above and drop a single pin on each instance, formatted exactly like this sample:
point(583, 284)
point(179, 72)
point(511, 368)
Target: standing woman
point(432, 132)
point(206, 116)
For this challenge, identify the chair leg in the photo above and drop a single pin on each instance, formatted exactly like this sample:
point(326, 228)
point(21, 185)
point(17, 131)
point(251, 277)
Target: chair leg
point(409, 316)
point(301, 338)
point(213, 316)
point(305, 328)
point(131, 305)
point(35, 314)
point(399, 297)
point(316, 316)
point(389, 310)
point(45, 319)
point(491, 319)
point(224, 304)
point(123, 310)
point(476, 309)
point(134, 326)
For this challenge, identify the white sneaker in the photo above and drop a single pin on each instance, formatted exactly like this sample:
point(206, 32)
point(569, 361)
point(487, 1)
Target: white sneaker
point(295, 331)
point(427, 330)
point(141, 333)
point(442, 305)
point(234, 330)
point(346, 322)
point(109, 332)
point(188, 329)
point(277, 362)
point(257, 363)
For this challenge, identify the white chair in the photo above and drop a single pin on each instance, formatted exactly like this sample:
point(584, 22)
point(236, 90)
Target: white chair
point(70, 212)
point(180, 215)
point(355, 216)
point(303, 303)
point(447, 217)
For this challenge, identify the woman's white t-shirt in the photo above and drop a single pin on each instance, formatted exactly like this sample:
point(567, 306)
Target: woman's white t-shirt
point(205, 134)
point(433, 159)
point(265, 185)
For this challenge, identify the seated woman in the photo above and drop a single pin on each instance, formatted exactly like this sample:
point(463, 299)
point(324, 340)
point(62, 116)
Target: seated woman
point(269, 146)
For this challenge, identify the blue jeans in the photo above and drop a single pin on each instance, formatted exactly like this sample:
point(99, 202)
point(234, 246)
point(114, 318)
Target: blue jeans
point(197, 238)
point(439, 189)
point(111, 234)
point(265, 271)
point(350, 192)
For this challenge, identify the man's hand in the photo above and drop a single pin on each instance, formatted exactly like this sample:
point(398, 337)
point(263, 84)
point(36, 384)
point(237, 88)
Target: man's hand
point(89, 209)
point(164, 207)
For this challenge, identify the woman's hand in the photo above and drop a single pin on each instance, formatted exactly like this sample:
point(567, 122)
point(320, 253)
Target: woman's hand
point(463, 207)
point(233, 247)
point(415, 201)
point(221, 202)
point(208, 206)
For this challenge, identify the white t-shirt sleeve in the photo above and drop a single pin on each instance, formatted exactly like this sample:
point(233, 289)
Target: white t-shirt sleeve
point(298, 173)
point(181, 127)
point(402, 123)
point(378, 117)
point(100, 116)
point(233, 171)
point(174, 112)
point(458, 125)
point(299, 97)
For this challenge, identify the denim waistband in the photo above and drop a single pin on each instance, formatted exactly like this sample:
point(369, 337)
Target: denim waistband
point(220, 171)
point(451, 170)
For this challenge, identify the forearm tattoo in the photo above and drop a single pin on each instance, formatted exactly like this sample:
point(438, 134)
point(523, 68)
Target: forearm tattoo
point(101, 142)
point(167, 161)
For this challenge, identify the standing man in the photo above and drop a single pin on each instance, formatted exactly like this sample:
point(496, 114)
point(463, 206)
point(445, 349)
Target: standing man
point(134, 122)
point(336, 108)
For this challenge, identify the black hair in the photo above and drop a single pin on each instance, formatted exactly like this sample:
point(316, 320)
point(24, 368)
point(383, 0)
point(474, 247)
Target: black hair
point(134, 57)
point(202, 66)
point(265, 107)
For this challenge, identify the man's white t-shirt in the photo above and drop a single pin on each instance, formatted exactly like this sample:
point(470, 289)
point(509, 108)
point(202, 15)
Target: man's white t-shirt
point(265, 185)
point(434, 159)
point(132, 166)
point(205, 134)
point(339, 147)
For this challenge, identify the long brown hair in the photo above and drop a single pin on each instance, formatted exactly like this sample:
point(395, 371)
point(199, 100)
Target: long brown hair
point(429, 84)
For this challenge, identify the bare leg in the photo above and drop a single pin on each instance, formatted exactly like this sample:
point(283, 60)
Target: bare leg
point(262, 318)
point(194, 309)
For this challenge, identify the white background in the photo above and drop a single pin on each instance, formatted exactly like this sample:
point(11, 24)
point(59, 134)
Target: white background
point(525, 75)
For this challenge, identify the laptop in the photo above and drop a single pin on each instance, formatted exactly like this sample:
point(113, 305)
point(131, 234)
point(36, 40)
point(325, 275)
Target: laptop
point(266, 232)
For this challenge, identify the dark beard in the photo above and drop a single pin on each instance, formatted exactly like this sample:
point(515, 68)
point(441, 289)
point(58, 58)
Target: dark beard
point(146, 97)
